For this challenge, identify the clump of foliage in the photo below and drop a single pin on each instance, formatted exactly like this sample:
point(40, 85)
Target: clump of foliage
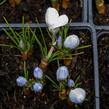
point(60, 48)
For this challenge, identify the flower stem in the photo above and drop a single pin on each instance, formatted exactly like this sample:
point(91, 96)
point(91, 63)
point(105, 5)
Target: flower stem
point(51, 51)
point(25, 71)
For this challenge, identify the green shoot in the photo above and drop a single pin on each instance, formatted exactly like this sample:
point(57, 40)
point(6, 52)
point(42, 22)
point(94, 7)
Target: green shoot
point(23, 40)
point(2, 2)
point(54, 84)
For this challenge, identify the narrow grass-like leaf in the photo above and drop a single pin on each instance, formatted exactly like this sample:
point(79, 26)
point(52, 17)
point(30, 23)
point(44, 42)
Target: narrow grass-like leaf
point(9, 35)
point(52, 81)
point(38, 42)
point(42, 35)
point(12, 31)
point(4, 45)
point(82, 47)
point(2, 2)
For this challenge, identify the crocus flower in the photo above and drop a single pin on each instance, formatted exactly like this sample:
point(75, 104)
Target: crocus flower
point(77, 95)
point(37, 87)
point(72, 41)
point(59, 41)
point(38, 73)
point(21, 81)
point(70, 83)
point(21, 44)
point(53, 20)
point(62, 73)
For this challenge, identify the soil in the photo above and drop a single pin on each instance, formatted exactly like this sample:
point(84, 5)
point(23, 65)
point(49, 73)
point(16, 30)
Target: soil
point(101, 19)
point(31, 9)
point(11, 96)
point(104, 70)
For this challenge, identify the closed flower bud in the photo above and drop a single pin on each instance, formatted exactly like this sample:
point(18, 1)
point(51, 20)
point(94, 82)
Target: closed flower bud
point(70, 83)
point(37, 87)
point(77, 95)
point(21, 44)
point(21, 81)
point(71, 42)
point(38, 73)
point(59, 41)
point(62, 73)
point(53, 20)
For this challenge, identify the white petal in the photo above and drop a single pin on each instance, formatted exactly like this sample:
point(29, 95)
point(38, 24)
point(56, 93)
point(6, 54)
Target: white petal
point(60, 21)
point(51, 16)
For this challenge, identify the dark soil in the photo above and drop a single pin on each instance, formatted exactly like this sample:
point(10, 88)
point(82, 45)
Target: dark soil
point(11, 96)
point(101, 19)
point(104, 70)
point(31, 9)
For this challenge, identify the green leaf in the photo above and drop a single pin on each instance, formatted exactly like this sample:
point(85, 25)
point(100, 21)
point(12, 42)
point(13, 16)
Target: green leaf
point(53, 83)
point(2, 2)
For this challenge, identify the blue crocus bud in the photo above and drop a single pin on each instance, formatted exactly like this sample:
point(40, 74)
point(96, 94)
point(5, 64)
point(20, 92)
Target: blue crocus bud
point(38, 73)
point(70, 83)
point(77, 95)
point(59, 41)
point(21, 81)
point(71, 42)
point(62, 73)
point(37, 87)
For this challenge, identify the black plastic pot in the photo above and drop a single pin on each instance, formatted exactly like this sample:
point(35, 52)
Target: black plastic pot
point(90, 17)
point(103, 38)
point(95, 59)
point(84, 17)
point(87, 15)
point(81, 26)
point(78, 26)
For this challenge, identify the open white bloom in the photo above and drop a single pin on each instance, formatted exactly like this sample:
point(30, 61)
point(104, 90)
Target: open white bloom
point(62, 73)
point(77, 95)
point(72, 41)
point(53, 20)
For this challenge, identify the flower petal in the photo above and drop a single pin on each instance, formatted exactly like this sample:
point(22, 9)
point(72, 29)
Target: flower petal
point(37, 87)
point(38, 73)
point(51, 16)
point(72, 41)
point(62, 73)
point(77, 95)
point(21, 81)
point(60, 21)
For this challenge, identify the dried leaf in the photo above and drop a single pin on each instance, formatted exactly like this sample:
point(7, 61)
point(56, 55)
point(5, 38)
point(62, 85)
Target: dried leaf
point(101, 8)
point(14, 3)
point(65, 4)
point(56, 6)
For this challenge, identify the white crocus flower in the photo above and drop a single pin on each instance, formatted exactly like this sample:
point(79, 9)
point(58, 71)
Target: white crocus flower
point(72, 41)
point(77, 95)
point(53, 20)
